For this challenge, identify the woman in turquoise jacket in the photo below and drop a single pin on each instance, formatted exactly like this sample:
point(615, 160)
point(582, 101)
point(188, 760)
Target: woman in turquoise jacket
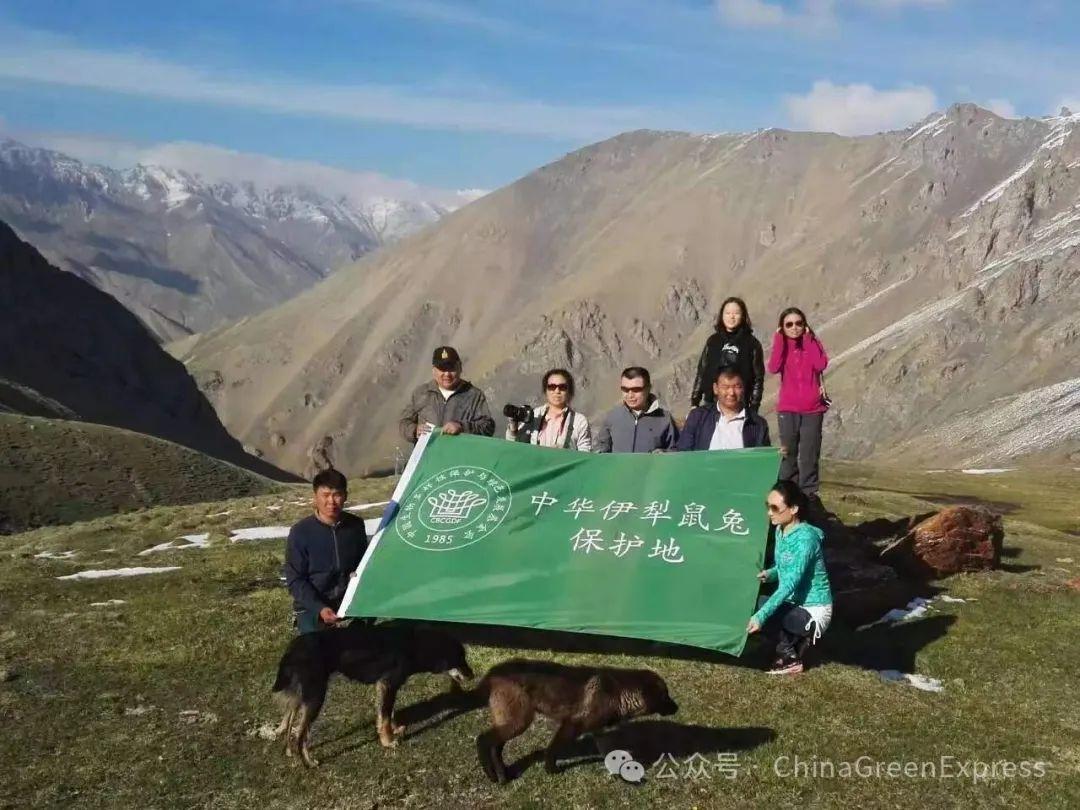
point(801, 608)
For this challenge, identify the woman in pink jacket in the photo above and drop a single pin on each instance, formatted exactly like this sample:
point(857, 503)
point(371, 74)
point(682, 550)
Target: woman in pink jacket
point(799, 358)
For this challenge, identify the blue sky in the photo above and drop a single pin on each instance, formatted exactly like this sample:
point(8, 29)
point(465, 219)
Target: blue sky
point(457, 94)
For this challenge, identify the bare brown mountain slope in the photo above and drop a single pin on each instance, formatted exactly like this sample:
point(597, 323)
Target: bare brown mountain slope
point(71, 351)
point(940, 265)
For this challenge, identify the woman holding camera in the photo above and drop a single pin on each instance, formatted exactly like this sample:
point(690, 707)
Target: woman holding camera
point(554, 424)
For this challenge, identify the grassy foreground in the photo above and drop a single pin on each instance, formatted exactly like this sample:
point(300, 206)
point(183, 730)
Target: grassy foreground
point(158, 701)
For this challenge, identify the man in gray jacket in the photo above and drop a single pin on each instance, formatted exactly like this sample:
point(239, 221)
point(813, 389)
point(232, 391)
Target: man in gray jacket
point(639, 424)
point(446, 401)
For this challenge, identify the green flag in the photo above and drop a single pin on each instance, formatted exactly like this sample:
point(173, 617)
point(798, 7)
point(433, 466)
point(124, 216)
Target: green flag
point(654, 546)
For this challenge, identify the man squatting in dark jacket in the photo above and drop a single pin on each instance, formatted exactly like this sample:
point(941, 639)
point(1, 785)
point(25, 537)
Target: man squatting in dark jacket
point(322, 552)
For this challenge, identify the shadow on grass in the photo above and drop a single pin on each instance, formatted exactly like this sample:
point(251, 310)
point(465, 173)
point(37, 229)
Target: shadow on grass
point(892, 646)
point(527, 638)
point(648, 741)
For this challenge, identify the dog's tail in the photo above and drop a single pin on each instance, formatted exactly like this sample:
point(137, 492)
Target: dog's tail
point(476, 697)
point(287, 684)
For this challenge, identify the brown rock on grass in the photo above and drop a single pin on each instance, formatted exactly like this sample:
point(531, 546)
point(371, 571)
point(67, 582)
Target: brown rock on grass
point(956, 539)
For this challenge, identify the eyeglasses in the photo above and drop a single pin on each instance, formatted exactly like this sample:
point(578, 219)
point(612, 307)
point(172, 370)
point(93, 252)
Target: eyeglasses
point(776, 510)
point(792, 324)
point(558, 387)
point(631, 389)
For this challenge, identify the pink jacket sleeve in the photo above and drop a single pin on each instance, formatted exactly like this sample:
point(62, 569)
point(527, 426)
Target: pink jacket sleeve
point(776, 354)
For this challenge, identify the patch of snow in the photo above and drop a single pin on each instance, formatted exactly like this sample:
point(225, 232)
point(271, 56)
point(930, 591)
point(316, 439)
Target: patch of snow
point(1055, 237)
point(944, 597)
point(996, 192)
point(1033, 420)
point(899, 179)
point(865, 302)
point(221, 514)
point(259, 533)
point(922, 682)
point(55, 555)
point(361, 506)
point(934, 128)
point(192, 541)
point(1064, 559)
point(108, 573)
point(958, 234)
point(874, 171)
point(728, 154)
point(915, 609)
point(991, 471)
point(273, 508)
point(108, 603)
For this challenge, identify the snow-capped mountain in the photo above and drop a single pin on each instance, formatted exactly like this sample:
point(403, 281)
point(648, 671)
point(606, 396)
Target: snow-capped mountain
point(184, 253)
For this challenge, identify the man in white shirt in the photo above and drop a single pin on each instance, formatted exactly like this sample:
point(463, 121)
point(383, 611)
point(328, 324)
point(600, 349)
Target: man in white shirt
point(727, 425)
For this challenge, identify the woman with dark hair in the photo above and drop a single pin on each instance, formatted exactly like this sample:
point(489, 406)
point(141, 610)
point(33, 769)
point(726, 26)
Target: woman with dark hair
point(800, 609)
point(732, 345)
point(554, 424)
point(799, 358)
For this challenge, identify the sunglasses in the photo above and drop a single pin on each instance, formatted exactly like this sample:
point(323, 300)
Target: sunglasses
point(776, 510)
point(558, 387)
point(792, 324)
point(631, 389)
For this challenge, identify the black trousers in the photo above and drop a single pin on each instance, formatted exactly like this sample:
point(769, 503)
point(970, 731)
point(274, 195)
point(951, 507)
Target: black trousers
point(788, 626)
point(800, 433)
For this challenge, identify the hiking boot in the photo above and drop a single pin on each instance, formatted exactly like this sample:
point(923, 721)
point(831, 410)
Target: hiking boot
point(786, 668)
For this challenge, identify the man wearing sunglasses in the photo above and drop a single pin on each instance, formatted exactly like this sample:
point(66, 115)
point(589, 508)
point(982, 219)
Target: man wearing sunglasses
point(640, 424)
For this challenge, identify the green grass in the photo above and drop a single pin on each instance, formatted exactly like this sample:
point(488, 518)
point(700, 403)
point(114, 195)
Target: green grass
point(208, 638)
point(54, 472)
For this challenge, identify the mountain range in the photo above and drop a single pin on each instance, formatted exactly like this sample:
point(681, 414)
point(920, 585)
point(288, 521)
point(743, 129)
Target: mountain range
point(71, 352)
point(186, 254)
point(940, 265)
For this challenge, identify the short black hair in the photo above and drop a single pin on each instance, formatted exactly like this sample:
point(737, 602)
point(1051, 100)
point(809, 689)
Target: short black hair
point(569, 381)
point(331, 479)
point(729, 371)
point(637, 371)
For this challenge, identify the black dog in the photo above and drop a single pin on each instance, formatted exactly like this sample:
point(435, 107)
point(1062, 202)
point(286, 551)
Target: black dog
point(578, 699)
point(385, 655)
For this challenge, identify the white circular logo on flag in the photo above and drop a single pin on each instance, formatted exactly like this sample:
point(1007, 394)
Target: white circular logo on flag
point(453, 509)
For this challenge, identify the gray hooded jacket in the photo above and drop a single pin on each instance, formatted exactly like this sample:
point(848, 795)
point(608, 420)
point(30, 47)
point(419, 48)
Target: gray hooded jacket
point(622, 432)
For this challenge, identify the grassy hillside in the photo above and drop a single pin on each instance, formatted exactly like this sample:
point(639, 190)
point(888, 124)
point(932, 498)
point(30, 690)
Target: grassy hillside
point(56, 472)
point(92, 697)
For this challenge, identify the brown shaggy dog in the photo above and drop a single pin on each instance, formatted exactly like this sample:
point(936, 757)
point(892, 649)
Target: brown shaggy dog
point(579, 699)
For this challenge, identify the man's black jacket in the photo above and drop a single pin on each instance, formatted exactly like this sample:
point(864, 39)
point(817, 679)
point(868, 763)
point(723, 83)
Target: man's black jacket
point(320, 558)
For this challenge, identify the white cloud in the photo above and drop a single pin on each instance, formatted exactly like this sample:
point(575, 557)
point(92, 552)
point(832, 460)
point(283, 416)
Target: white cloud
point(217, 164)
point(805, 15)
point(1072, 104)
point(35, 57)
point(813, 14)
point(858, 109)
point(1002, 107)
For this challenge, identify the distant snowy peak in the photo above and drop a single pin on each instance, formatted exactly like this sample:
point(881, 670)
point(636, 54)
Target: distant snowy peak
point(381, 218)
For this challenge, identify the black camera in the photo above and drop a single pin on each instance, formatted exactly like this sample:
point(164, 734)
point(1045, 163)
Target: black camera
point(518, 413)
